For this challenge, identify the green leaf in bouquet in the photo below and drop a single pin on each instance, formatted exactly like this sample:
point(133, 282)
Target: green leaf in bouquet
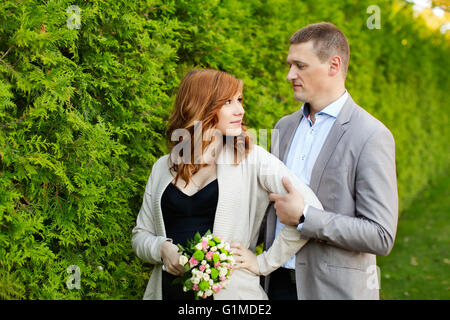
point(187, 267)
point(198, 255)
point(178, 280)
point(211, 243)
point(208, 233)
point(223, 251)
point(203, 285)
point(181, 248)
point(214, 273)
point(188, 284)
point(216, 257)
point(197, 237)
point(216, 240)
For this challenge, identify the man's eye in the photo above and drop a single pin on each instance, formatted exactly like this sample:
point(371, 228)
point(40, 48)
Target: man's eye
point(300, 66)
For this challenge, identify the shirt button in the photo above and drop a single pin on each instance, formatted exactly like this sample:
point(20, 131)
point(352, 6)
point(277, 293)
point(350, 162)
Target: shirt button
point(302, 157)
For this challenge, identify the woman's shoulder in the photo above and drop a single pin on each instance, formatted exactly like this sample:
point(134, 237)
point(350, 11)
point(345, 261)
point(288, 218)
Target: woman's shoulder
point(159, 170)
point(260, 154)
point(162, 162)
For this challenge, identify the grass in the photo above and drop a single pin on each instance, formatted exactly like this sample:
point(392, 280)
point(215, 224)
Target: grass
point(418, 266)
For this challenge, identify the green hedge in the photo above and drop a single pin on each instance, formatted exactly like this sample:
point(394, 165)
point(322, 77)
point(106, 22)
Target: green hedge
point(83, 114)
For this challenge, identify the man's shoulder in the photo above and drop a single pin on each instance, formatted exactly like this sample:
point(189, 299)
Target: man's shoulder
point(365, 124)
point(288, 119)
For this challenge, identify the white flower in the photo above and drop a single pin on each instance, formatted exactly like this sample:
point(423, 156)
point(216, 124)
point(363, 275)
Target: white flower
point(194, 272)
point(183, 260)
point(208, 271)
point(206, 277)
point(198, 246)
point(200, 293)
point(227, 246)
point(211, 282)
point(231, 259)
point(203, 262)
point(209, 237)
point(223, 256)
point(185, 289)
point(223, 272)
point(213, 249)
point(195, 280)
point(220, 245)
point(208, 292)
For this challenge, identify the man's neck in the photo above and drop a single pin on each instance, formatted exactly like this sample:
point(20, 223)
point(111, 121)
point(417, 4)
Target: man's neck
point(320, 104)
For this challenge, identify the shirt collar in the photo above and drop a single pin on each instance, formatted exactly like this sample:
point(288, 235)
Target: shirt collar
point(332, 109)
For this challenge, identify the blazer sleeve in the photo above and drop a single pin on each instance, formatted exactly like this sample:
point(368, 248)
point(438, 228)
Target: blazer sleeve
point(146, 243)
point(374, 225)
point(289, 241)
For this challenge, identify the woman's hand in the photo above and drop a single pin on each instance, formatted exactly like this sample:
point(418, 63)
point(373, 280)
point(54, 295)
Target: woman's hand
point(244, 258)
point(171, 258)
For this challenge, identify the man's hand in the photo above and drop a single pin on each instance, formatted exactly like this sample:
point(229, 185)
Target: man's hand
point(244, 258)
point(289, 207)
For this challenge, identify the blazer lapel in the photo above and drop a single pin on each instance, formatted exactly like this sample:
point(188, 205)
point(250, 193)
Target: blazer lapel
point(337, 130)
point(288, 135)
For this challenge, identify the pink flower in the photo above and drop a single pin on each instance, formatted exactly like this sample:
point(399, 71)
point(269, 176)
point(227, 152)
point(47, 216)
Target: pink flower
point(202, 268)
point(223, 279)
point(209, 255)
point(205, 245)
point(217, 264)
point(195, 287)
point(217, 287)
point(193, 262)
point(229, 266)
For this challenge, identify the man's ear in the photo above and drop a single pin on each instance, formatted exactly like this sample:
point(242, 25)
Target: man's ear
point(335, 66)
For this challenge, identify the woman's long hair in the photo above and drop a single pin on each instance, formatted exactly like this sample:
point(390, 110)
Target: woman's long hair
point(201, 94)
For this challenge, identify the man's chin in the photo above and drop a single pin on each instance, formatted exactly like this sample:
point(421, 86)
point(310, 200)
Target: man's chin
point(300, 97)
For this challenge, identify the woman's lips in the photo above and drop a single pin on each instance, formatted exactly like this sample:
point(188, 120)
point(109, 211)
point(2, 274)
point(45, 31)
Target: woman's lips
point(236, 122)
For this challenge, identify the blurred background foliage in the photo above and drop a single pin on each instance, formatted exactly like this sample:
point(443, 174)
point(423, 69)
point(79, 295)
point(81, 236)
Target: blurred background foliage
point(83, 113)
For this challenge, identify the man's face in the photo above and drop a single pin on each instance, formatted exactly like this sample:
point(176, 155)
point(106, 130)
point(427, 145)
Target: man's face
point(308, 75)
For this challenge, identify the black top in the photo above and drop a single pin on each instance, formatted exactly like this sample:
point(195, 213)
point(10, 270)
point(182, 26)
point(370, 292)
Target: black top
point(184, 216)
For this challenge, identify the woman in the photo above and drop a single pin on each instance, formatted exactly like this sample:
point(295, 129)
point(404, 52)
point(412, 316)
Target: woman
point(214, 178)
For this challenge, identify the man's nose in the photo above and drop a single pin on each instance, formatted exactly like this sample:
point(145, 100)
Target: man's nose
point(291, 74)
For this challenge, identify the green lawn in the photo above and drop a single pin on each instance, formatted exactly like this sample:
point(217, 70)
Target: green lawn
point(419, 265)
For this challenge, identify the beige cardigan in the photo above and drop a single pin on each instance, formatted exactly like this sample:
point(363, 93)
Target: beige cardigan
point(243, 199)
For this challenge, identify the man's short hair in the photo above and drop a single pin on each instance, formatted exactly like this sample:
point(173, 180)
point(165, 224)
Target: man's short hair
point(328, 41)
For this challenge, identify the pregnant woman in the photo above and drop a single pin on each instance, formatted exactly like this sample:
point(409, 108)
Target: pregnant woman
point(214, 178)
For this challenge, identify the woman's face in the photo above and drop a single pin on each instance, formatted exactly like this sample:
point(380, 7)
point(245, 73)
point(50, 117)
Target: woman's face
point(230, 116)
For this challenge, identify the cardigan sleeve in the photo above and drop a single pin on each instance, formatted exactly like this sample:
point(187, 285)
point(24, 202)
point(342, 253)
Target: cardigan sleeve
point(289, 241)
point(146, 244)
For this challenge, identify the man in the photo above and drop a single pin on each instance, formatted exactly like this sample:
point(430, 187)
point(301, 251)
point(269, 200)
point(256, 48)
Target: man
point(347, 157)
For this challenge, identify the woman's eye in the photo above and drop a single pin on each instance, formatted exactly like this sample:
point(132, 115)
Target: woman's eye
point(240, 100)
point(228, 102)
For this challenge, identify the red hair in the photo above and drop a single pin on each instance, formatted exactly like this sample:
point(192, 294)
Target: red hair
point(201, 95)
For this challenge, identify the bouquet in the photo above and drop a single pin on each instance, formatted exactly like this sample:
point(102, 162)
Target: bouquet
point(208, 263)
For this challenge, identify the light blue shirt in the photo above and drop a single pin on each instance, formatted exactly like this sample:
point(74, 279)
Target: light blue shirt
point(306, 145)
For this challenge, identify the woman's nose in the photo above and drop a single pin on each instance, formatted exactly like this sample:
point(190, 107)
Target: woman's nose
point(239, 109)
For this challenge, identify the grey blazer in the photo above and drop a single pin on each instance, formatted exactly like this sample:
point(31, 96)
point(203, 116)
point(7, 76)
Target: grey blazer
point(354, 177)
